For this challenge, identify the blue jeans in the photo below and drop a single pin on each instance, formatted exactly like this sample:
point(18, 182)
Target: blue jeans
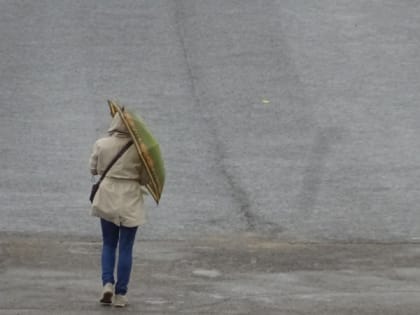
point(111, 236)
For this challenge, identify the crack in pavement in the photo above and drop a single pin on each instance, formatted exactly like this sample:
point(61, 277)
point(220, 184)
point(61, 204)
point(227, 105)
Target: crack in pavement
point(238, 193)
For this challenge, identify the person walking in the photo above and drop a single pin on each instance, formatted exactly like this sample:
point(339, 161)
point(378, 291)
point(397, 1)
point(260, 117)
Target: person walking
point(119, 203)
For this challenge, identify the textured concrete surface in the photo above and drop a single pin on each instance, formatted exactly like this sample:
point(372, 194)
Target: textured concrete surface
point(289, 130)
point(241, 274)
point(294, 119)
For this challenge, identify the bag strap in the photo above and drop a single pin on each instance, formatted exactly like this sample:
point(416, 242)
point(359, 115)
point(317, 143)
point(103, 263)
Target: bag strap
point(119, 154)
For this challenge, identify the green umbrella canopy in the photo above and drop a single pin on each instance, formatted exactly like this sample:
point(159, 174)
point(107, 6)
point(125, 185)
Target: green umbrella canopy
point(147, 148)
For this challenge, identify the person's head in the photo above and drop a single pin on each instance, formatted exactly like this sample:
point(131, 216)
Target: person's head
point(117, 125)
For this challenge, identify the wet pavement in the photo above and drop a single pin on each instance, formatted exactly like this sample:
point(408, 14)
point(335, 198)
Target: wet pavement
point(242, 274)
point(290, 135)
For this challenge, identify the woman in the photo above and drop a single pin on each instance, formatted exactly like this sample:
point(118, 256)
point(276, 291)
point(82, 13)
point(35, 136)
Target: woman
point(119, 204)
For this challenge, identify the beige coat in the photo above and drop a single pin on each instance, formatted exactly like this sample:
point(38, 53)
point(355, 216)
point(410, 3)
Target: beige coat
point(119, 198)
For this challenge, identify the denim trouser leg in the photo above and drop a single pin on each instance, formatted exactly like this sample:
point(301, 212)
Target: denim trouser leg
point(112, 234)
point(125, 258)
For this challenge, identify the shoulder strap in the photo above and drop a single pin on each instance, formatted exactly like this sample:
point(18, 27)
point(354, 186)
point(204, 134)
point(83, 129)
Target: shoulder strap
point(119, 154)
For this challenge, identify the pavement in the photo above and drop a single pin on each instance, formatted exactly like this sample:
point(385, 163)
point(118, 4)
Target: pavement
point(283, 124)
point(237, 274)
point(290, 117)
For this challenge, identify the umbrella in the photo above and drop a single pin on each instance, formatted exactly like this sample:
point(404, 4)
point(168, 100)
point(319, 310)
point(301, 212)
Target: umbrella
point(147, 148)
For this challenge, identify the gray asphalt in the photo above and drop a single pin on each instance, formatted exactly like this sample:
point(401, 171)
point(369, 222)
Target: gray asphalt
point(240, 275)
point(290, 118)
point(289, 130)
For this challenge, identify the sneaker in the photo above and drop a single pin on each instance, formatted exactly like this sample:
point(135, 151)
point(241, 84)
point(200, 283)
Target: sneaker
point(120, 300)
point(107, 293)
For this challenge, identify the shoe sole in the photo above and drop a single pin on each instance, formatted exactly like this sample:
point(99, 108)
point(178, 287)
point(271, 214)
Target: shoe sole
point(106, 299)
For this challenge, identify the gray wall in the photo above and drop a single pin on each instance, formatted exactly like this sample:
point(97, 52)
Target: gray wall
point(297, 119)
